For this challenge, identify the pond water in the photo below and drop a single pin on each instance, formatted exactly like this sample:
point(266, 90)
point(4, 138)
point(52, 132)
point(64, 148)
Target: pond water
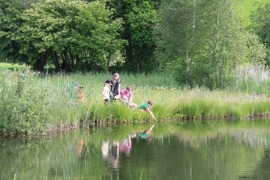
point(175, 150)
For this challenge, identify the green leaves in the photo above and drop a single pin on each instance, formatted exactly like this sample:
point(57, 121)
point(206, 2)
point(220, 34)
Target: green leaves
point(65, 33)
point(261, 25)
point(139, 18)
point(202, 41)
point(9, 24)
point(142, 19)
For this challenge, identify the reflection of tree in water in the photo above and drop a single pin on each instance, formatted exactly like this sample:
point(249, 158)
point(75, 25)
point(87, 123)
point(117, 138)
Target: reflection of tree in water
point(193, 142)
point(55, 172)
point(83, 151)
point(251, 138)
point(262, 171)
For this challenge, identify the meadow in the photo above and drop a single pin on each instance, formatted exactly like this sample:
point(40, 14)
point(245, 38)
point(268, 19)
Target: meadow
point(34, 103)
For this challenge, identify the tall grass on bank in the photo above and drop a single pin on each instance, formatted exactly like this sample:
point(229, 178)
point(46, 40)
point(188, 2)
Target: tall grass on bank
point(36, 104)
point(252, 79)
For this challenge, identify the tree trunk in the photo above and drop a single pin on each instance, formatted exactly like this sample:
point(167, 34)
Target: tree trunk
point(40, 63)
point(187, 61)
point(217, 42)
point(56, 61)
point(66, 66)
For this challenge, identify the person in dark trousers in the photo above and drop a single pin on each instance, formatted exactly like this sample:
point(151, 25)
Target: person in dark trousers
point(115, 89)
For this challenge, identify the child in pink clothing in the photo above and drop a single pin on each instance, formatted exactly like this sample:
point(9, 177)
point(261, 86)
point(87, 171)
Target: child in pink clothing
point(126, 97)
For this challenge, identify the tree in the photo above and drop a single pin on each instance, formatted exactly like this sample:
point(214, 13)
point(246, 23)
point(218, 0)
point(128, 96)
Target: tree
point(261, 24)
point(69, 34)
point(201, 40)
point(255, 50)
point(174, 33)
point(26, 4)
point(139, 18)
point(9, 24)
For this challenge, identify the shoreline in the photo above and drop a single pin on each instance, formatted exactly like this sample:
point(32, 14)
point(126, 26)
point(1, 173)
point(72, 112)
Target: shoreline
point(87, 124)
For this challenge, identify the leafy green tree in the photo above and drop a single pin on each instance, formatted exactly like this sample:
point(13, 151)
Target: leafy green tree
point(140, 17)
point(256, 52)
point(261, 23)
point(201, 40)
point(9, 24)
point(69, 34)
point(27, 3)
point(174, 32)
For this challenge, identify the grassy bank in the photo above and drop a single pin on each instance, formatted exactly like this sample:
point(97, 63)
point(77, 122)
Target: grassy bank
point(36, 104)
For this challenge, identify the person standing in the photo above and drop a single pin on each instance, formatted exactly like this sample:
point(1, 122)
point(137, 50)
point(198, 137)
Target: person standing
point(115, 88)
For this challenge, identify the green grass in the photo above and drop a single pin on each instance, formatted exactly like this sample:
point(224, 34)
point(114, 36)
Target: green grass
point(36, 104)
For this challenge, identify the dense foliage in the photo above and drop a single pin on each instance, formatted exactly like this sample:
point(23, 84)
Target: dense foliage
point(68, 34)
point(203, 41)
point(261, 24)
point(200, 41)
point(9, 24)
point(139, 17)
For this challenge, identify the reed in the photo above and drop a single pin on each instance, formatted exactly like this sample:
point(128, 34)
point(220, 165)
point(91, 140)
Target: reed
point(37, 103)
point(252, 79)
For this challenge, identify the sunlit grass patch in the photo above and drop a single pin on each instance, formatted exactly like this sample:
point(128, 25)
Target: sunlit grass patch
point(13, 67)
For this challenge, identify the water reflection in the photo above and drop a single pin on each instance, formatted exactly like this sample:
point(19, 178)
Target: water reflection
point(115, 154)
point(80, 147)
point(146, 134)
point(179, 150)
point(124, 146)
point(105, 150)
